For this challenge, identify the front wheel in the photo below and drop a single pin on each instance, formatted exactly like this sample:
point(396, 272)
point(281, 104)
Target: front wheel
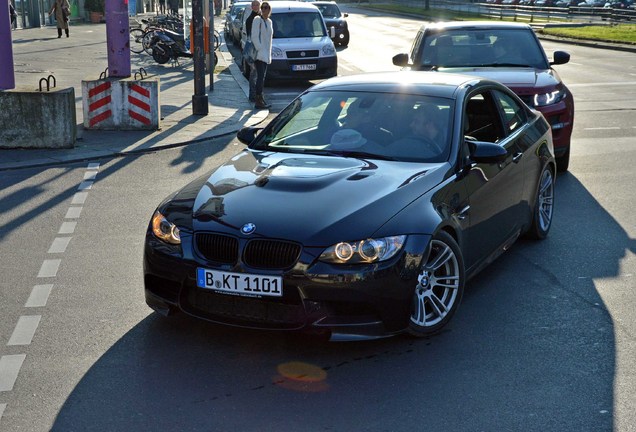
point(344, 39)
point(543, 206)
point(563, 161)
point(136, 40)
point(440, 286)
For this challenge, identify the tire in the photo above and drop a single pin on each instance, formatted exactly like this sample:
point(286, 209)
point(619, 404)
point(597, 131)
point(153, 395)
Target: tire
point(136, 40)
point(160, 57)
point(543, 206)
point(440, 286)
point(563, 161)
point(147, 40)
point(344, 41)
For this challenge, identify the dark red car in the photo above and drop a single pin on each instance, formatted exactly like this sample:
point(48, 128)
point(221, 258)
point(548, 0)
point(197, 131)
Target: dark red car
point(509, 53)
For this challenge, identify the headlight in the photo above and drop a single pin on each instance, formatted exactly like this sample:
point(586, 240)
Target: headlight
point(277, 52)
point(328, 50)
point(545, 99)
point(165, 230)
point(363, 251)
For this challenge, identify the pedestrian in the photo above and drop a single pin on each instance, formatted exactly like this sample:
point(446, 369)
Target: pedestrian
point(162, 7)
point(247, 33)
point(62, 10)
point(14, 15)
point(261, 36)
point(174, 7)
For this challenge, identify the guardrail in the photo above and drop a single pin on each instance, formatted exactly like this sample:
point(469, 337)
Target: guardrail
point(519, 12)
point(550, 14)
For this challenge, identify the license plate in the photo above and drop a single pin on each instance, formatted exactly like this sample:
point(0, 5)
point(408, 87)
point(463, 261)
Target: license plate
point(303, 67)
point(240, 283)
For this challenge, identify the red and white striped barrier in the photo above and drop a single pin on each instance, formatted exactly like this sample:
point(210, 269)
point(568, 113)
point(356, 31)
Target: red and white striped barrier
point(99, 103)
point(121, 104)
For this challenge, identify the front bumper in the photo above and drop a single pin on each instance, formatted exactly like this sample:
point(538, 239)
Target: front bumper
point(351, 302)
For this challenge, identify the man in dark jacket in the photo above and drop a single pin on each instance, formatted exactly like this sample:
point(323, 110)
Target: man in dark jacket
point(13, 14)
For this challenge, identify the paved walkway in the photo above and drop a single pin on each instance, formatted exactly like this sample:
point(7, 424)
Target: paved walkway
point(38, 52)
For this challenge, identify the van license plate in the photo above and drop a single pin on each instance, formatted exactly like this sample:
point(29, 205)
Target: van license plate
point(304, 67)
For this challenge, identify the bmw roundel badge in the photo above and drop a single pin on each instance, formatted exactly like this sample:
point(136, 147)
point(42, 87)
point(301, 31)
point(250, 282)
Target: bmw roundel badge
point(248, 228)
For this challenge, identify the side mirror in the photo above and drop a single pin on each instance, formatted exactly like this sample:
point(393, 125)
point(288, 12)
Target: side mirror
point(401, 59)
point(486, 152)
point(247, 134)
point(345, 15)
point(560, 57)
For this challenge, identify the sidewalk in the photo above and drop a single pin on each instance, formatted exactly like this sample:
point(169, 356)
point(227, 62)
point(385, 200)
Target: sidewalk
point(38, 52)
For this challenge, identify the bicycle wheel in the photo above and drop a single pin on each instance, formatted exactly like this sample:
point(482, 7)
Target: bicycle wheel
point(147, 39)
point(136, 40)
point(217, 39)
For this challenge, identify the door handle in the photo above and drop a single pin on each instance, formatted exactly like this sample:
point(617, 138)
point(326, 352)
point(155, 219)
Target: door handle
point(517, 157)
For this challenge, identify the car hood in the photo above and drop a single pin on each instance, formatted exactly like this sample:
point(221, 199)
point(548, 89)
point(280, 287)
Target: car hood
point(301, 43)
point(317, 200)
point(514, 78)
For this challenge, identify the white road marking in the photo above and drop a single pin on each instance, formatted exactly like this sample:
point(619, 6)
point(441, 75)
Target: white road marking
point(39, 295)
point(85, 185)
point(91, 175)
point(94, 166)
point(345, 67)
point(9, 368)
point(24, 330)
point(59, 244)
point(79, 198)
point(49, 268)
point(67, 228)
point(73, 213)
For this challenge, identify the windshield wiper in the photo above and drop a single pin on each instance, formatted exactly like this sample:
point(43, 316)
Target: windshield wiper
point(352, 153)
point(502, 64)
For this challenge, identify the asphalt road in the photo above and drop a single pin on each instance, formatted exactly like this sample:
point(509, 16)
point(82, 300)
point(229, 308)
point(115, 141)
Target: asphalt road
point(544, 339)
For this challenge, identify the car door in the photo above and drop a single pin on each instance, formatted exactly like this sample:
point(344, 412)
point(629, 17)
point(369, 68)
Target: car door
point(494, 189)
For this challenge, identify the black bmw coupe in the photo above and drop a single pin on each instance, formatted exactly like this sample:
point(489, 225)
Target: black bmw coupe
point(360, 211)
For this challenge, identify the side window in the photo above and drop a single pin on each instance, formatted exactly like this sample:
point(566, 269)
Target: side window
point(482, 121)
point(514, 114)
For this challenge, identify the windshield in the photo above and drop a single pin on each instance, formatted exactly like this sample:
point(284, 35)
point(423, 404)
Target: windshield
point(386, 126)
point(298, 24)
point(329, 10)
point(479, 48)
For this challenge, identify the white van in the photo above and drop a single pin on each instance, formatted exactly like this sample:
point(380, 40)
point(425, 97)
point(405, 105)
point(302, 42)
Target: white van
point(301, 48)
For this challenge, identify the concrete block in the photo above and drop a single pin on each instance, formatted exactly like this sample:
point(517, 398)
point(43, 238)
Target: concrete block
point(34, 119)
point(121, 104)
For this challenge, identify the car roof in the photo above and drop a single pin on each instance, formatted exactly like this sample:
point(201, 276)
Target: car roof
point(279, 6)
point(477, 25)
point(411, 82)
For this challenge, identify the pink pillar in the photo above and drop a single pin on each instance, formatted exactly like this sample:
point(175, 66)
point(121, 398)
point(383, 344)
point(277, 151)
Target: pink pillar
point(7, 75)
point(118, 38)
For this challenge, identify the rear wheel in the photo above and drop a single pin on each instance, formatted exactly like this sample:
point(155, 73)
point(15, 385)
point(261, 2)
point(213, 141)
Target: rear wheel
point(440, 286)
point(159, 56)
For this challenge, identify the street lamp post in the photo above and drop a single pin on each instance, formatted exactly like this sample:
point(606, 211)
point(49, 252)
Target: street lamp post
point(200, 98)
